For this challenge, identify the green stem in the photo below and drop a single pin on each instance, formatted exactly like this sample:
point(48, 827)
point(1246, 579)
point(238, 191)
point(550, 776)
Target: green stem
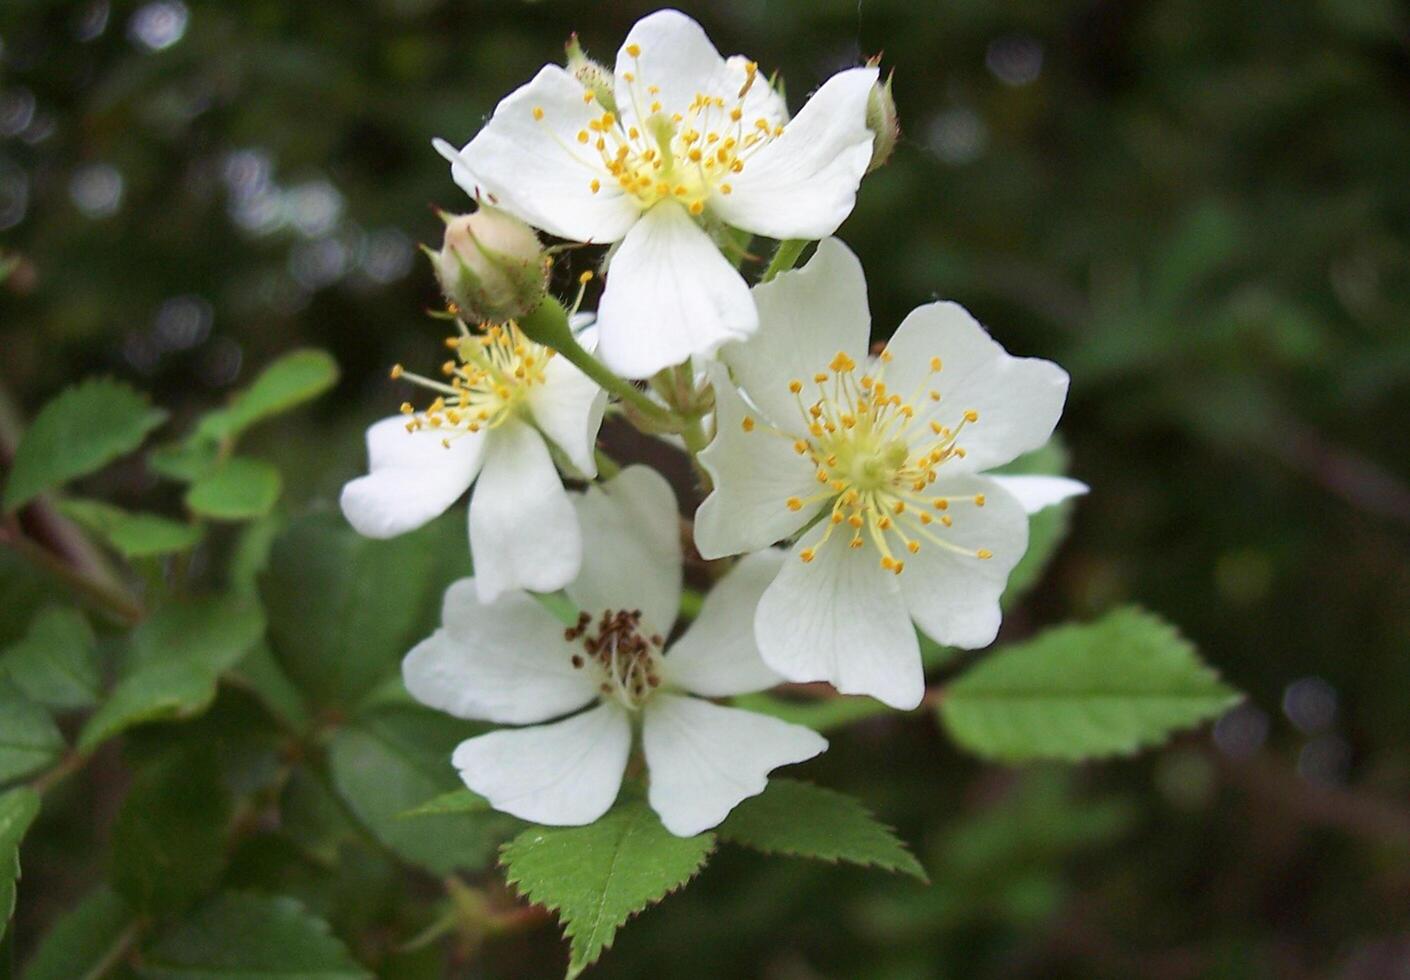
point(116, 602)
point(606, 466)
point(784, 257)
point(548, 324)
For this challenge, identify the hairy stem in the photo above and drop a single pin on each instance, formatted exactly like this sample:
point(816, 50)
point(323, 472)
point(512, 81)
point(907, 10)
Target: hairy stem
point(784, 257)
point(548, 324)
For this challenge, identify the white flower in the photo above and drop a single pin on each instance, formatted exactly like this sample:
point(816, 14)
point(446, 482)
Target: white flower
point(692, 139)
point(879, 463)
point(505, 394)
point(512, 662)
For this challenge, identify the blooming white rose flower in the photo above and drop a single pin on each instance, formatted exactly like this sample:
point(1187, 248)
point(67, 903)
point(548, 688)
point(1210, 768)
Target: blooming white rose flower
point(879, 463)
point(692, 139)
point(512, 662)
point(487, 427)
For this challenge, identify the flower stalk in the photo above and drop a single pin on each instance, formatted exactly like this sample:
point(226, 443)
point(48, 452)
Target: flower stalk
point(547, 324)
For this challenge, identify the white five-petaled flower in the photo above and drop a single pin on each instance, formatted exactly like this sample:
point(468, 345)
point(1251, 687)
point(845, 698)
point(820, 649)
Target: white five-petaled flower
point(502, 395)
point(879, 463)
point(513, 663)
point(693, 140)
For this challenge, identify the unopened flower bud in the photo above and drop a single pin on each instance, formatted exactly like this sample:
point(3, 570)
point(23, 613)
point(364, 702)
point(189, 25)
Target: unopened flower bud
point(491, 265)
point(882, 121)
point(594, 77)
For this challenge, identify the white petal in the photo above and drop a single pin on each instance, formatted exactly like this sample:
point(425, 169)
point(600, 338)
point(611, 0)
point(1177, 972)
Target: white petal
point(537, 169)
point(568, 408)
point(1035, 493)
point(414, 477)
point(954, 598)
point(631, 548)
point(841, 618)
point(804, 183)
point(704, 759)
point(1018, 399)
point(670, 295)
point(523, 531)
point(504, 661)
point(754, 475)
point(805, 318)
point(718, 657)
point(565, 774)
point(673, 54)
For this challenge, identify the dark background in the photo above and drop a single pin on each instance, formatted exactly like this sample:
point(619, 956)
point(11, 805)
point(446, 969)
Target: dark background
point(1201, 209)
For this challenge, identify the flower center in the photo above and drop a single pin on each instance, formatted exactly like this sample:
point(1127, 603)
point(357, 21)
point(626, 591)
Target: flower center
point(685, 154)
point(628, 662)
point(489, 376)
point(876, 456)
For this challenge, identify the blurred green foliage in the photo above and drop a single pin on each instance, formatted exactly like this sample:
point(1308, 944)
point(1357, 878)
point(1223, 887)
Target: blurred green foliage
point(1201, 209)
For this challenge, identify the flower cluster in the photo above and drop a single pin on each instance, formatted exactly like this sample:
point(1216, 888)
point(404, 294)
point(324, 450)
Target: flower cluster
point(872, 466)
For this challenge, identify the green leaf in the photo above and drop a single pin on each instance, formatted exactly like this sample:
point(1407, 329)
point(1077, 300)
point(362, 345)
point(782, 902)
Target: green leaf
point(83, 938)
point(295, 378)
point(29, 739)
point(18, 808)
point(335, 597)
point(239, 490)
point(1084, 691)
point(214, 631)
point(161, 692)
point(56, 663)
point(86, 427)
point(395, 758)
point(238, 936)
point(596, 877)
point(184, 461)
point(168, 842)
point(803, 820)
point(131, 535)
point(456, 801)
point(174, 660)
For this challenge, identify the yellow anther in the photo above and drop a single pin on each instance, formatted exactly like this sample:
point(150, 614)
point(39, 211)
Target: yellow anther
point(855, 543)
point(807, 554)
point(935, 364)
point(634, 50)
point(406, 408)
point(819, 378)
point(448, 368)
point(971, 416)
point(396, 371)
point(582, 136)
point(795, 503)
point(748, 424)
point(585, 277)
point(596, 185)
point(538, 112)
point(697, 207)
point(885, 356)
point(842, 363)
point(913, 546)
point(800, 447)
point(726, 189)
point(979, 500)
point(855, 520)
point(884, 523)
point(941, 503)
point(795, 386)
point(984, 553)
point(947, 520)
